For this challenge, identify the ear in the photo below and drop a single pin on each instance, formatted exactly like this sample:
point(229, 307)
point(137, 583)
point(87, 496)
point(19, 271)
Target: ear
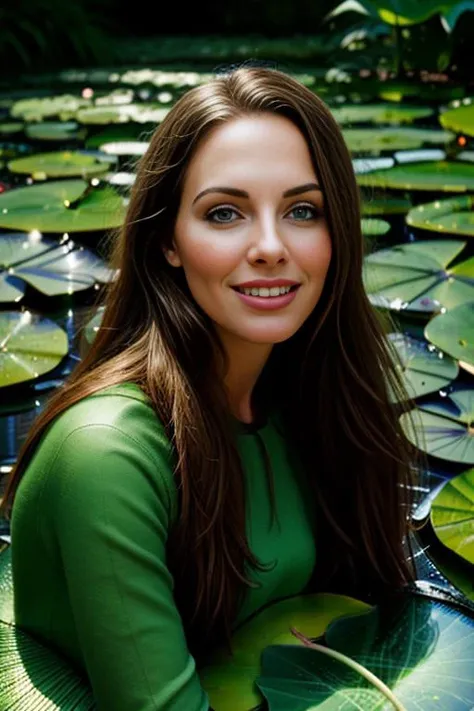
point(172, 256)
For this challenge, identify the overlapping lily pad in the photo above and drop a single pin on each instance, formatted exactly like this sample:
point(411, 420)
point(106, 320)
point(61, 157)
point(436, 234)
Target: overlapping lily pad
point(51, 268)
point(138, 113)
point(376, 140)
point(55, 131)
point(459, 119)
point(453, 332)
point(418, 651)
point(64, 106)
point(424, 368)
point(30, 346)
point(444, 428)
point(380, 113)
point(62, 206)
point(417, 277)
point(454, 215)
point(61, 164)
point(452, 515)
point(445, 176)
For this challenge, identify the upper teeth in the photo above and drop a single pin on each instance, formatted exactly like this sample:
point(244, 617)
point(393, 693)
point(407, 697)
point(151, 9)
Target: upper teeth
point(264, 291)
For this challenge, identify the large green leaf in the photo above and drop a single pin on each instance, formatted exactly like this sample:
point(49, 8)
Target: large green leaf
point(453, 332)
point(424, 369)
point(63, 164)
point(454, 176)
point(374, 141)
point(454, 216)
point(385, 205)
point(229, 681)
point(55, 131)
point(443, 428)
point(117, 132)
point(9, 129)
point(30, 346)
point(407, 12)
point(138, 113)
point(372, 227)
point(452, 515)
point(49, 267)
point(64, 106)
point(417, 277)
point(380, 113)
point(459, 119)
point(421, 650)
point(62, 206)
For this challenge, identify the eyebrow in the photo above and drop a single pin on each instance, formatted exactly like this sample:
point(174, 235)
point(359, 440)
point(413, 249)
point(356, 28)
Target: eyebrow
point(242, 193)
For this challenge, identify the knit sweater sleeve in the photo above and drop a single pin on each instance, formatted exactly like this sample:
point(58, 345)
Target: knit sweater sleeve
point(109, 503)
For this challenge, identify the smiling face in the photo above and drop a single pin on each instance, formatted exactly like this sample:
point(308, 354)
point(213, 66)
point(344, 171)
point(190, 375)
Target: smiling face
point(251, 210)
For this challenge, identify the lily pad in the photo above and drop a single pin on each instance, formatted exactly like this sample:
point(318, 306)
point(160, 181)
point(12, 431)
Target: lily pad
point(459, 119)
point(454, 176)
point(372, 227)
point(63, 164)
point(452, 515)
point(374, 141)
point(55, 131)
point(380, 113)
point(138, 113)
point(93, 325)
point(229, 681)
point(418, 277)
point(424, 368)
point(30, 346)
point(386, 205)
point(454, 216)
point(9, 129)
point(125, 148)
point(417, 650)
point(62, 206)
point(64, 106)
point(116, 133)
point(453, 332)
point(51, 268)
point(443, 428)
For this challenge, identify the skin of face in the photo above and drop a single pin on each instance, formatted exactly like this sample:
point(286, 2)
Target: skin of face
point(223, 240)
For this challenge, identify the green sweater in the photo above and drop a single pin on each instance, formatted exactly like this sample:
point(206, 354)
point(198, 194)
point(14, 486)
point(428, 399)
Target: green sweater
point(89, 529)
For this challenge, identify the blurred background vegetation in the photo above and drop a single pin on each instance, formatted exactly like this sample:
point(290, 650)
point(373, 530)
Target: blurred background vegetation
point(400, 35)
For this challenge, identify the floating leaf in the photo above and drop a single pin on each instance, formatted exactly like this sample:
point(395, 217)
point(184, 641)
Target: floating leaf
point(125, 148)
point(62, 206)
point(93, 325)
point(454, 216)
point(59, 165)
point(443, 429)
point(9, 129)
point(459, 119)
point(55, 131)
point(420, 650)
point(424, 369)
point(374, 228)
point(386, 205)
point(30, 346)
point(417, 277)
point(374, 141)
point(229, 682)
point(437, 175)
point(380, 113)
point(452, 515)
point(116, 133)
point(64, 106)
point(139, 113)
point(453, 332)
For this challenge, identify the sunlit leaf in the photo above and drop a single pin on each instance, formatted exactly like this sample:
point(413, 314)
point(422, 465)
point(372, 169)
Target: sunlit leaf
point(452, 515)
point(453, 332)
point(63, 164)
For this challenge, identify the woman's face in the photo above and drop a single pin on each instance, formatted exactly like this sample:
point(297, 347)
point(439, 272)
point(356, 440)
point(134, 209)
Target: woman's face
point(251, 211)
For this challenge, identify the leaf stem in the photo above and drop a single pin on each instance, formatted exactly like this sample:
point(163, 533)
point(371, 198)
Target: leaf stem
point(348, 661)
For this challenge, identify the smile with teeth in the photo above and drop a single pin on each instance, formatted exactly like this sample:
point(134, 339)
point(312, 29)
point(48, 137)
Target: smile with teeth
point(264, 291)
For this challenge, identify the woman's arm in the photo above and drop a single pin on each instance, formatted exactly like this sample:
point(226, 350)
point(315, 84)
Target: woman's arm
point(110, 508)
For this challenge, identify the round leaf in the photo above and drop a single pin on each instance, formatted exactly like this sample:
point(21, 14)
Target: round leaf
point(424, 369)
point(138, 113)
point(30, 346)
point(443, 429)
point(8, 129)
point(380, 113)
point(417, 277)
point(454, 216)
point(431, 175)
point(58, 165)
point(372, 227)
point(459, 119)
point(55, 131)
point(452, 515)
point(453, 332)
point(386, 205)
point(64, 106)
point(62, 206)
point(374, 141)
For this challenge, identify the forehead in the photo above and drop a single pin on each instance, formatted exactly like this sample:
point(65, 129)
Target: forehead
point(266, 146)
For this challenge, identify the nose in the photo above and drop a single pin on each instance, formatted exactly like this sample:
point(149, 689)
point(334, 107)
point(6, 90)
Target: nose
point(267, 246)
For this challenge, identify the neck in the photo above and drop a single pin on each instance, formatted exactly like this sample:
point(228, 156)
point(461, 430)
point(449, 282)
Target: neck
point(245, 363)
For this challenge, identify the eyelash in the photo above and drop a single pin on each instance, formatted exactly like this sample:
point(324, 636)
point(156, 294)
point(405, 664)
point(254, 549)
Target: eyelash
point(316, 212)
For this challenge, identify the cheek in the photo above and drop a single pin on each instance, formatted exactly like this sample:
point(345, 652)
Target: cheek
point(314, 256)
point(208, 260)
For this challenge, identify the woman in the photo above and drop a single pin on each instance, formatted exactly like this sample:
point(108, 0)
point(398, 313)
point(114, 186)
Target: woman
point(228, 440)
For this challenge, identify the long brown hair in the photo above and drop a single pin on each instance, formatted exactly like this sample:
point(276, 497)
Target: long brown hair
point(330, 378)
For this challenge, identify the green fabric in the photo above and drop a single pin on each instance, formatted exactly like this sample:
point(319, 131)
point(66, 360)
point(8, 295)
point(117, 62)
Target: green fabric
point(89, 528)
